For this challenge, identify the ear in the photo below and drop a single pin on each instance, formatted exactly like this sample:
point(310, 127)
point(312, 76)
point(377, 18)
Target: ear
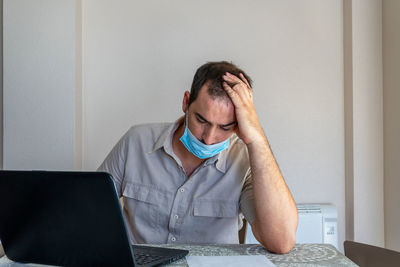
point(185, 101)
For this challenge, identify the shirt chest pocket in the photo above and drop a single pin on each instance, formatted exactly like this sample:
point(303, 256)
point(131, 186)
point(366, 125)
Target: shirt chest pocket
point(215, 208)
point(146, 205)
point(215, 221)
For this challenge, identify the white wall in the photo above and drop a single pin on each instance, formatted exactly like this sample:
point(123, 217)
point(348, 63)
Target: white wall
point(64, 110)
point(140, 56)
point(1, 86)
point(391, 100)
point(39, 85)
point(368, 121)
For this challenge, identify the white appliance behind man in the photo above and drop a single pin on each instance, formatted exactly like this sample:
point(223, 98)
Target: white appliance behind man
point(317, 224)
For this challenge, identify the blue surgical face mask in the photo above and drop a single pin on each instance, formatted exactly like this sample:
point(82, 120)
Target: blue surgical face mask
point(199, 149)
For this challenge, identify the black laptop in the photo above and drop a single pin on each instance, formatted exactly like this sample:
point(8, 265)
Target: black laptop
point(69, 219)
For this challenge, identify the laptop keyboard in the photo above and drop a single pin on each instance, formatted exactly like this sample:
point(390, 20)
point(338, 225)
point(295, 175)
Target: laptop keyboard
point(149, 256)
point(144, 258)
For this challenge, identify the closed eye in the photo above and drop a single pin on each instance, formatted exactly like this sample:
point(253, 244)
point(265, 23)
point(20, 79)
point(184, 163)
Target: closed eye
point(229, 126)
point(201, 120)
point(226, 129)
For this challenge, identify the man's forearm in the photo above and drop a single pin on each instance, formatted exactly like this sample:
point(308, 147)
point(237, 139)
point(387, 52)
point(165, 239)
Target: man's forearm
point(276, 214)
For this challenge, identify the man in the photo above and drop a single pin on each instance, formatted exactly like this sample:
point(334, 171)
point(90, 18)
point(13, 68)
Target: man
point(188, 181)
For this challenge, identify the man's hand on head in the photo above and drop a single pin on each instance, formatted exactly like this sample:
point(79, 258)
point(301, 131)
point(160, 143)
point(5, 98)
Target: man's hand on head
point(276, 216)
point(241, 94)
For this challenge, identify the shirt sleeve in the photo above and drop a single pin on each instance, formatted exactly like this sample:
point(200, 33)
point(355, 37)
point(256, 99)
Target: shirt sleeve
point(246, 202)
point(115, 163)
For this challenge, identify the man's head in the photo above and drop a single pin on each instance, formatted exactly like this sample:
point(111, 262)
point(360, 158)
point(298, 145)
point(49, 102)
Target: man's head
point(211, 73)
point(211, 114)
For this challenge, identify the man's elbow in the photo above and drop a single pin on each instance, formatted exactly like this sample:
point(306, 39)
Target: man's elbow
point(281, 245)
point(279, 239)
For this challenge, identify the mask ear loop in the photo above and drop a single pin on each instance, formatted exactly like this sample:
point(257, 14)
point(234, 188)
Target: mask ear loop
point(187, 118)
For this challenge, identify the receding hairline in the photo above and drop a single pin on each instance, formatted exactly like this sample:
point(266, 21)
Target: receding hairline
point(216, 92)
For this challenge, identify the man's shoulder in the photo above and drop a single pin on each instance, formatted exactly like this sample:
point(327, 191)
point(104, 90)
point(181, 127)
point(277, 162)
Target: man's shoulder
point(237, 152)
point(145, 135)
point(147, 131)
point(237, 144)
point(148, 128)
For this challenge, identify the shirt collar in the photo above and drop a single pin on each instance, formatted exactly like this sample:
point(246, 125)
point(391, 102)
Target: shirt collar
point(165, 140)
point(221, 161)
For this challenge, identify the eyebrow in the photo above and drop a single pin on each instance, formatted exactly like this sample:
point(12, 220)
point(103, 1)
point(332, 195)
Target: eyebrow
point(222, 125)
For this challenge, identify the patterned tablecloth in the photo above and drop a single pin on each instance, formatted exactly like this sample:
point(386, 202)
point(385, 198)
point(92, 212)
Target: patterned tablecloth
point(309, 255)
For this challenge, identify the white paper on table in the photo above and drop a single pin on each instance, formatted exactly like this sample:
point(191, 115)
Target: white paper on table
point(231, 261)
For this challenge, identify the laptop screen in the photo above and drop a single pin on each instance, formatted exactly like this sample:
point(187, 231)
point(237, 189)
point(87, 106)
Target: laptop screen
point(62, 218)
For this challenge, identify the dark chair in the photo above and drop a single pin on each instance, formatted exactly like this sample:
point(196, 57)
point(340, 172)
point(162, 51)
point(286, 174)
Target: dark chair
point(242, 232)
point(1, 251)
point(370, 256)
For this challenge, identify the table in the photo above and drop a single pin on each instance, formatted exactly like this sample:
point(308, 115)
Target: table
point(302, 255)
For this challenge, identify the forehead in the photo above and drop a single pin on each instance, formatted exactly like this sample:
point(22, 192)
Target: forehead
point(219, 110)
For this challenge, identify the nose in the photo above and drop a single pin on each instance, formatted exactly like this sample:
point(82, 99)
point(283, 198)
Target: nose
point(209, 136)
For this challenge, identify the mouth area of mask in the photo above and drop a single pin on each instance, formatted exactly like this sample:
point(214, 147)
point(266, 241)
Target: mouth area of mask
point(198, 148)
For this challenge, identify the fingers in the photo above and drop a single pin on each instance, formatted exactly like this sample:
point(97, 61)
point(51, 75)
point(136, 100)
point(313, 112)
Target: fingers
point(236, 99)
point(250, 90)
point(233, 79)
point(239, 86)
point(245, 80)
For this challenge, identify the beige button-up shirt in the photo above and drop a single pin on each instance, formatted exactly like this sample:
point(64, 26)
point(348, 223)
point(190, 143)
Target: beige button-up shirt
point(163, 205)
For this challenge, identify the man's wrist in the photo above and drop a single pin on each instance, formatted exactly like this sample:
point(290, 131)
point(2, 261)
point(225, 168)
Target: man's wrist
point(258, 138)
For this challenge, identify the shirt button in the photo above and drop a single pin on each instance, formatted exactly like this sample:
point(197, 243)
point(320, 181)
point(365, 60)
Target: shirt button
point(173, 239)
point(176, 216)
point(182, 190)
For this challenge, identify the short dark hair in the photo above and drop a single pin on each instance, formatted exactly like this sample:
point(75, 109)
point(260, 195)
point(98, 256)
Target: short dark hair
point(212, 72)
